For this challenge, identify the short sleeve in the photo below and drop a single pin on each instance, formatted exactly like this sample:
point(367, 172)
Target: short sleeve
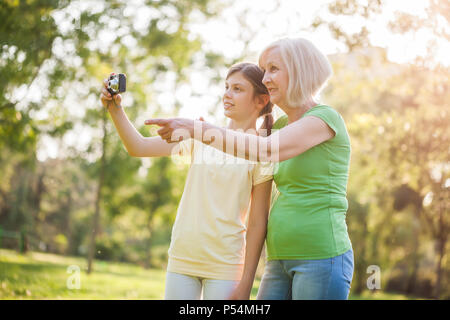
point(280, 123)
point(330, 116)
point(185, 147)
point(262, 172)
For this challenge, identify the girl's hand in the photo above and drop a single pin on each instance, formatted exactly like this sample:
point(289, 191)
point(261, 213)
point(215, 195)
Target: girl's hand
point(240, 294)
point(108, 99)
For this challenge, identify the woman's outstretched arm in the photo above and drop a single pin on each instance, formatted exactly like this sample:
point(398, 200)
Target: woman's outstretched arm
point(286, 143)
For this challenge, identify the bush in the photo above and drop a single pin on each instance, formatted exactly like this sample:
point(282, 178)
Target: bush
point(110, 249)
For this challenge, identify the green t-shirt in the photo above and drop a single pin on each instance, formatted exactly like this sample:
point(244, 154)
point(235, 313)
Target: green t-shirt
point(307, 220)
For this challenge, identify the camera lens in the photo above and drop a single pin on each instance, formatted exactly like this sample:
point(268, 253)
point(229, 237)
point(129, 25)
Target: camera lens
point(114, 84)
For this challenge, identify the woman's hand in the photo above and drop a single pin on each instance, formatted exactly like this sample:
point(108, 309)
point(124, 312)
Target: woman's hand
point(174, 129)
point(108, 99)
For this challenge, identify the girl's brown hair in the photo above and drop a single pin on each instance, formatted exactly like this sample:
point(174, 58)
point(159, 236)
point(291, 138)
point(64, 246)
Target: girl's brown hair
point(254, 75)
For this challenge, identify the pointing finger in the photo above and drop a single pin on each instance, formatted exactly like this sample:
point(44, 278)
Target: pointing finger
point(159, 122)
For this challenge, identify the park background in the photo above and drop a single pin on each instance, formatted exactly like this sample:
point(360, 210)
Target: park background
point(71, 197)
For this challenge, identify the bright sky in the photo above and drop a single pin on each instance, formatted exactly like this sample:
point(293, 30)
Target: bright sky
point(272, 19)
point(266, 21)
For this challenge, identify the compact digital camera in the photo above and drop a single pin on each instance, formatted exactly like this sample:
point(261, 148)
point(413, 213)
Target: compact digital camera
point(117, 83)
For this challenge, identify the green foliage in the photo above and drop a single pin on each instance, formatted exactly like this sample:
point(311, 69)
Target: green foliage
point(57, 52)
point(398, 128)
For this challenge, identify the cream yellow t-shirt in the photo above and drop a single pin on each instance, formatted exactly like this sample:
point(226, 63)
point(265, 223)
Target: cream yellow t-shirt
point(208, 237)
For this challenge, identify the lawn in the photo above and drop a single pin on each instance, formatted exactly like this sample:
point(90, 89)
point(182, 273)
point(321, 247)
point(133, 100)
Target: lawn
point(38, 275)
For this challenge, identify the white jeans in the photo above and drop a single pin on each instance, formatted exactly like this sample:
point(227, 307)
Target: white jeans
point(184, 287)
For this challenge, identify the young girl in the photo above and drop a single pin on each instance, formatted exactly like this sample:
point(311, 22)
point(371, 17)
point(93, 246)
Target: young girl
point(212, 252)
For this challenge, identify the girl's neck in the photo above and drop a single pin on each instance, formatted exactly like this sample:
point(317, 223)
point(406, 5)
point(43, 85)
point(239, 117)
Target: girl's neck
point(245, 124)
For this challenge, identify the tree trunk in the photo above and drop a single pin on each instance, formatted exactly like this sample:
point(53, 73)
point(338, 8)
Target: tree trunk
point(148, 254)
point(442, 241)
point(40, 189)
point(415, 254)
point(96, 221)
point(360, 263)
point(67, 225)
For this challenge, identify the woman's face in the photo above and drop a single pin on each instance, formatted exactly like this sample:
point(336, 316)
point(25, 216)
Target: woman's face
point(238, 100)
point(276, 77)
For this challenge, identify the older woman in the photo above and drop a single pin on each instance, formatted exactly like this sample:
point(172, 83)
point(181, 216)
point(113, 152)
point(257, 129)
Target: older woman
point(310, 254)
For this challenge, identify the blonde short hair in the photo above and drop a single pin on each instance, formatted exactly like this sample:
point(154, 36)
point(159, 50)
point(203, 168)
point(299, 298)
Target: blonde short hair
point(308, 68)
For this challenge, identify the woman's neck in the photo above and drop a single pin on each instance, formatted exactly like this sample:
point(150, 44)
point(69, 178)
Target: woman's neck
point(295, 113)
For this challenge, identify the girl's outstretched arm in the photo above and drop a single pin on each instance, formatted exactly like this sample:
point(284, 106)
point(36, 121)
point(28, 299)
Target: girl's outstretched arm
point(134, 142)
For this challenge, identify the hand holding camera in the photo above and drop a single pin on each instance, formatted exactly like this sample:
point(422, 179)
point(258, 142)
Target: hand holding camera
point(112, 87)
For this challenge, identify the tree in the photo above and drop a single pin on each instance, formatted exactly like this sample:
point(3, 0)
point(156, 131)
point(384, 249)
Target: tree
point(58, 52)
point(157, 42)
point(399, 172)
point(154, 195)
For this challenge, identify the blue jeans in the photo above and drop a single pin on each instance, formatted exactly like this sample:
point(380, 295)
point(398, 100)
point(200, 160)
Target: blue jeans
point(324, 279)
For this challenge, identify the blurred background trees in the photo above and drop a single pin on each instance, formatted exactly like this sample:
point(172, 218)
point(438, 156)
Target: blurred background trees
point(63, 49)
point(63, 166)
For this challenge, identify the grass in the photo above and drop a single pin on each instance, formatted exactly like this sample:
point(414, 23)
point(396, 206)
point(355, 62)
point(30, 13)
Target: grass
point(45, 276)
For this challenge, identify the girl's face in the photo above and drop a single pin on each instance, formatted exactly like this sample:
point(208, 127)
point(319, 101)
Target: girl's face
point(238, 100)
point(276, 77)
